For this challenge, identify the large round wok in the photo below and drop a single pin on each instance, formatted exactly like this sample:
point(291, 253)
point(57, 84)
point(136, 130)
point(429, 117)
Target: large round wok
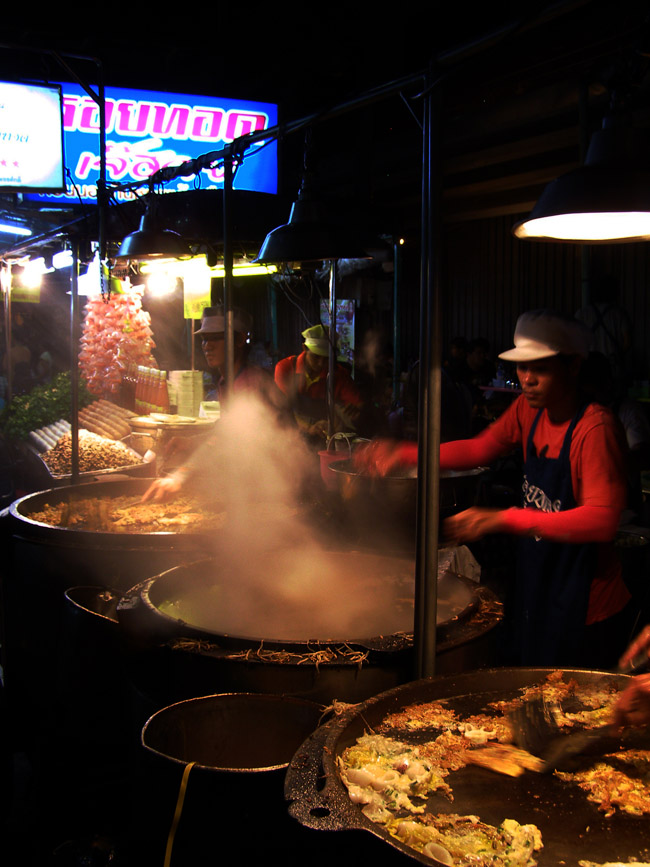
point(352, 595)
point(65, 555)
point(176, 648)
point(26, 527)
point(572, 827)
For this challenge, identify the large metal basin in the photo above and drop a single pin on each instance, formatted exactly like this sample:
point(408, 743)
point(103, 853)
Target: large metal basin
point(174, 658)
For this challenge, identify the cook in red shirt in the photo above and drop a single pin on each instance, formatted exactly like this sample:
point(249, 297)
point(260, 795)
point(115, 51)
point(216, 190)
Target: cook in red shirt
point(303, 379)
point(570, 595)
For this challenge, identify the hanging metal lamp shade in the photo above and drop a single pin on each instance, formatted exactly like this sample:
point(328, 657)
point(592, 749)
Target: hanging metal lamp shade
point(605, 201)
point(151, 241)
point(309, 237)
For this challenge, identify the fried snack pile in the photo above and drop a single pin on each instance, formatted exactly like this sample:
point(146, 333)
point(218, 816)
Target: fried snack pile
point(95, 453)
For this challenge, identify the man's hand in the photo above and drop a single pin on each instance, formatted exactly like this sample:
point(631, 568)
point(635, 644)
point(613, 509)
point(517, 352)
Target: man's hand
point(639, 647)
point(633, 705)
point(161, 490)
point(381, 456)
point(472, 524)
point(318, 428)
point(181, 446)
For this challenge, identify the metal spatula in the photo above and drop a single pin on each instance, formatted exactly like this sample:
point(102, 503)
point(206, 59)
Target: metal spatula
point(535, 730)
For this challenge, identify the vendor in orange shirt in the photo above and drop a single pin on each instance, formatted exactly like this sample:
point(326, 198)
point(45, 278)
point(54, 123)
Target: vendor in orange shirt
point(303, 378)
point(570, 605)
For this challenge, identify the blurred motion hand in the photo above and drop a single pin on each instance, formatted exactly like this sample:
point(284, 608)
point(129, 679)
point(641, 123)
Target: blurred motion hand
point(178, 446)
point(640, 645)
point(161, 490)
point(381, 456)
point(318, 428)
point(472, 524)
point(633, 705)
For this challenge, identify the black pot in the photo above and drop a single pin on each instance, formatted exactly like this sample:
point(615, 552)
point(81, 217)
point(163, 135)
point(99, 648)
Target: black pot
point(382, 508)
point(42, 561)
point(65, 555)
point(241, 745)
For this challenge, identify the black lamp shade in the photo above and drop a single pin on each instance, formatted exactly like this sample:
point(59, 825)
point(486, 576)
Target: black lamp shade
point(152, 242)
point(307, 238)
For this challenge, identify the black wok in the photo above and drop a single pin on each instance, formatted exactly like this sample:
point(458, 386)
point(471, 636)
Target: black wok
point(572, 827)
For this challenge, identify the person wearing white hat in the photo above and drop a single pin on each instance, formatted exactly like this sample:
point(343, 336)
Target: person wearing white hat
point(248, 379)
point(571, 601)
point(303, 379)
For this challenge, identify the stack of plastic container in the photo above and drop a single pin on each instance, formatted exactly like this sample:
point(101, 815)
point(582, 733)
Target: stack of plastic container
point(188, 387)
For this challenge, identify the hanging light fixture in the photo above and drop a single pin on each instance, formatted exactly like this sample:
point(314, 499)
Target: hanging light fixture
point(310, 235)
point(605, 201)
point(151, 241)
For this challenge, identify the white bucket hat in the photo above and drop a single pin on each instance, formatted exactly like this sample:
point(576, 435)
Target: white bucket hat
point(542, 333)
point(213, 321)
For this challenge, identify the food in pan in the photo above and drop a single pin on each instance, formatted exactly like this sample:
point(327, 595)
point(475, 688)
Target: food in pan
point(505, 759)
point(594, 699)
point(383, 774)
point(434, 714)
point(433, 740)
point(389, 778)
point(621, 780)
point(453, 839)
point(128, 515)
point(583, 863)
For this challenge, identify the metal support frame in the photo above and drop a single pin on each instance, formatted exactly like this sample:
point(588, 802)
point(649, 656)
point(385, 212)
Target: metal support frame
point(397, 318)
point(331, 371)
point(74, 379)
point(227, 277)
point(426, 562)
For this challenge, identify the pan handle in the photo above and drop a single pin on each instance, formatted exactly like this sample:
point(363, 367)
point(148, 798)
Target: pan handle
point(315, 799)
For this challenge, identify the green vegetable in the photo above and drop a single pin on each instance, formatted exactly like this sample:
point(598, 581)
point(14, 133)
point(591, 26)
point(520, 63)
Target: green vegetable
point(43, 405)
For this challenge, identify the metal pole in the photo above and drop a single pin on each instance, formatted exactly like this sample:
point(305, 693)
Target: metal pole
point(397, 310)
point(428, 493)
point(102, 194)
point(74, 364)
point(273, 306)
point(227, 278)
point(331, 377)
point(10, 373)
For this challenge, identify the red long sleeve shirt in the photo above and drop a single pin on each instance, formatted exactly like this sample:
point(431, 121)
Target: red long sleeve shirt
point(597, 475)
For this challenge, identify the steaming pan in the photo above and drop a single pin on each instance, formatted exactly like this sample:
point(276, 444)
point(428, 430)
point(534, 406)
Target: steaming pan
point(572, 827)
point(397, 491)
point(26, 527)
point(381, 588)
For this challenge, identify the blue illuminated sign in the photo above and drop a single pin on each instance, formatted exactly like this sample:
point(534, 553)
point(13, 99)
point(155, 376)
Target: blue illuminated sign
point(147, 130)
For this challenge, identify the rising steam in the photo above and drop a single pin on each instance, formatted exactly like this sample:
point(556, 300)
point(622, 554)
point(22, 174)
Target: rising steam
point(271, 577)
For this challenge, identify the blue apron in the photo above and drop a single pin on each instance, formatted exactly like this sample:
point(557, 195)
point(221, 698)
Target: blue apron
point(553, 578)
